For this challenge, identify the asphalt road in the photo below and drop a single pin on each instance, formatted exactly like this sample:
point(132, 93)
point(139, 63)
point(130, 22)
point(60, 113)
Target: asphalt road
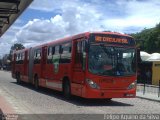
point(26, 100)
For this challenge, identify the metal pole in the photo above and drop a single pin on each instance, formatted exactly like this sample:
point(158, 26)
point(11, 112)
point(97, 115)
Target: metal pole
point(144, 87)
point(159, 89)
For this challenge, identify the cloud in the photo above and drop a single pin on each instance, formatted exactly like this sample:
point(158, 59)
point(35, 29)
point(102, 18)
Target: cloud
point(72, 20)
point(76, 16)
point(46, 5)
point(115, 15)
point(8, 39)
point(5, 44)
point(39, 31)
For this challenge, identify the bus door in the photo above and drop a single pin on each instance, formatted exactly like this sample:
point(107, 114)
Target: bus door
point(55, 73)
point(26, 63)
point(43, 60)
point(43, 65)
point(30, 65)
point(79, 66)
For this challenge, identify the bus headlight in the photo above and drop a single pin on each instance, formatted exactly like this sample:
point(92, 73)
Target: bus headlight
point(132, 85)
point(92, 84)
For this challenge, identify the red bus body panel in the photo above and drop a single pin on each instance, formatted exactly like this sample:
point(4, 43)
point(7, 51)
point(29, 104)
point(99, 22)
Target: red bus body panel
point(110, 86)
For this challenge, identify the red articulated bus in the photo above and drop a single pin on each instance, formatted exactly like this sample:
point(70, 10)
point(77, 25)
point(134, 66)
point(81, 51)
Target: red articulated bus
point(89, 65)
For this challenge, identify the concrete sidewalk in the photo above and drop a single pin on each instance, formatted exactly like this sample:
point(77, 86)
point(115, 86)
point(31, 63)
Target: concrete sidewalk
point(5, 107)
point(151, 92)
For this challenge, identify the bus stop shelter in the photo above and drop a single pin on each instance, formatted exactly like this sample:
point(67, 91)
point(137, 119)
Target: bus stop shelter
point(149, 68)
point(10, 10)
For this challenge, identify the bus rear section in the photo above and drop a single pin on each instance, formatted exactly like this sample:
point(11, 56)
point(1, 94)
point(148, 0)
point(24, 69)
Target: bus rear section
point(20, 61)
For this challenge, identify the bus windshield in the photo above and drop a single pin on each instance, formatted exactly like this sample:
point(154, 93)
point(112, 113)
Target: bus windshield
point(112, 61)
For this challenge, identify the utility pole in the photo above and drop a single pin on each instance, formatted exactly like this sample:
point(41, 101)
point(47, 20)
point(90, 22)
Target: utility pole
point(141, 41)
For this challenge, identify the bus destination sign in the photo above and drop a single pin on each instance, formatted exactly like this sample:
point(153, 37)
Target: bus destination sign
point(111, 40)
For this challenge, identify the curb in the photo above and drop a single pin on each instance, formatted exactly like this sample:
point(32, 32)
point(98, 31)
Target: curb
point(148, 99)
point(5, 107)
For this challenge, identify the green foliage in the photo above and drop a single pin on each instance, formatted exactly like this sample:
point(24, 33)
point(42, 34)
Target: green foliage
point(149, 39)
point(17, 46)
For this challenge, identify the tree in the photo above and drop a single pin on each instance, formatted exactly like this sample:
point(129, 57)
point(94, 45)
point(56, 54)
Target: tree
point(149, 39)
point(16, 46)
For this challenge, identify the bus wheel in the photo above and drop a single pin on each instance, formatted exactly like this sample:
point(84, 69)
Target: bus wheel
point(67, 89)
point(18, 79)
point(36, 83)
point(108, 99)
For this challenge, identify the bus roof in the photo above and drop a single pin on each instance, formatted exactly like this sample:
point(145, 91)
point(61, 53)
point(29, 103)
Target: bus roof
point(84, 35)
point(111, 33)
point(21, 50)
point(70, 38)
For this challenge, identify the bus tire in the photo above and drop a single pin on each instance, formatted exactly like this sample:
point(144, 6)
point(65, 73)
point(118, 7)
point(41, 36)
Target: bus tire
point(36, 83)
point(67, 89)
point(108, 99)
point(18, 78)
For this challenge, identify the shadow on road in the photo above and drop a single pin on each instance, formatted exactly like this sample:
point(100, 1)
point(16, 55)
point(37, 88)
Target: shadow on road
point(75, 100)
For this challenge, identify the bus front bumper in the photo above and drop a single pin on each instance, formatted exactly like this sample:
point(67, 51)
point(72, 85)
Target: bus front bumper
point(102, 94)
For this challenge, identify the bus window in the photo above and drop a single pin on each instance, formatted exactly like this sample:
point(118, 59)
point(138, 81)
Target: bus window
point(56, 59)
point(65, 53)
point(51, 51)
point(17, 55)
point(22, 58)
point(19, 58)
point(80, 57)
point(105, 60)
point(57, 49)
point(78, 52)
point(37, 56)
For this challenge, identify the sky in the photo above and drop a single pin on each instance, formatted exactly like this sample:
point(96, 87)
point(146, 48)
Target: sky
point(46, 20)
